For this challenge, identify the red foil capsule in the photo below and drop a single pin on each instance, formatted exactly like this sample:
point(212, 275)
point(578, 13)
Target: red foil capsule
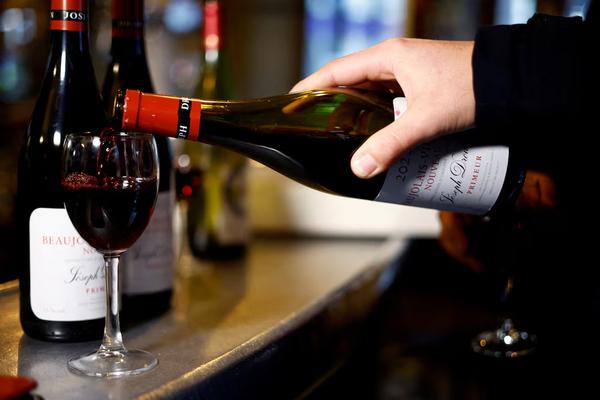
point(128, 19)
point(68, 15)
point(162, 115)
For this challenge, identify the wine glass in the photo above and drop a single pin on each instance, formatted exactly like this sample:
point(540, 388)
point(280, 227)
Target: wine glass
point(110, 185)
point(506, 340)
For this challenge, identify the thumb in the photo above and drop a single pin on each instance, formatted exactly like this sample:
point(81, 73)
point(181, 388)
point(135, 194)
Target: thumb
point(383, 147)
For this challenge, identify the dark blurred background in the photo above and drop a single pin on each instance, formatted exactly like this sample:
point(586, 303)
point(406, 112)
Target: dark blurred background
point(273, 43)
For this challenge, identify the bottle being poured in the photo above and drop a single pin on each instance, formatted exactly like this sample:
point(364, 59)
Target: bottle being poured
point(310, 137)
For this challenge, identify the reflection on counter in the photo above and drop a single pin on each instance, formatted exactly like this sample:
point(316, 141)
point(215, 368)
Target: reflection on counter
point(205, 291)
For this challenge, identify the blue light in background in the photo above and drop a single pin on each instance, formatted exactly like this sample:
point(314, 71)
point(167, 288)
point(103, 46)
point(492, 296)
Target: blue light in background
point(514, 11)
point(17, 30)
point(183, 16)
point(334, 28)
point(576, 8)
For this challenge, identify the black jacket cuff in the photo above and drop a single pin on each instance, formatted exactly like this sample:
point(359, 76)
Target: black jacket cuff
point(530, 74)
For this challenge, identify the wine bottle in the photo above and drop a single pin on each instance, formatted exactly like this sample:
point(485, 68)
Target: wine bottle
point(311, 136)
point(61, 276)
point(148, 265)
point(217, 226)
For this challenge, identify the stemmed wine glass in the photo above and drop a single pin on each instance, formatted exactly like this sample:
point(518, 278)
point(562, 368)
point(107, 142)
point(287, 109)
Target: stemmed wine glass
point(506, 340)
point(110, 184)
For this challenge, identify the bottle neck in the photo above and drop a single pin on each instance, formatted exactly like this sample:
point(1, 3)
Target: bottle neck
point(211, 84)
point(212, 28)
point(72, 42)
point(317, 111)
point(127, 48)
point(128, 28)
point(69, 21)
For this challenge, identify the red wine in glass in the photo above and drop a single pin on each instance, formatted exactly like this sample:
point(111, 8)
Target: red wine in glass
point(110, 213)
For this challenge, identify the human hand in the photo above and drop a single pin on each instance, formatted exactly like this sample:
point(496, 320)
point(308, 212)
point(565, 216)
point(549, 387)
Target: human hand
point(473, 240)
point(436, 78)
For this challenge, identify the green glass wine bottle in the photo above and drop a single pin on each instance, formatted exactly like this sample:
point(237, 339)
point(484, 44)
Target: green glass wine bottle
point(217, 225)
point(311, 137)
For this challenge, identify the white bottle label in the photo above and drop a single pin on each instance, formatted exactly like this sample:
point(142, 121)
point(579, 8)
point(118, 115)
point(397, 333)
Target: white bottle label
point(66, 274)
point(148, 265)
point(446, 175)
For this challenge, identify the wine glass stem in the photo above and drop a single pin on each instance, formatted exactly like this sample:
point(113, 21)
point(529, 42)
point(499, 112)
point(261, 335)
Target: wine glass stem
point(113, 339)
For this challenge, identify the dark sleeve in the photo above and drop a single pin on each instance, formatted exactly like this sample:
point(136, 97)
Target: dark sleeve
point(540, 74)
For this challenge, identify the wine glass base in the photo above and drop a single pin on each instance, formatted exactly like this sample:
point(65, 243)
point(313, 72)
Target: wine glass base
point(504, 342)
point(112, 364)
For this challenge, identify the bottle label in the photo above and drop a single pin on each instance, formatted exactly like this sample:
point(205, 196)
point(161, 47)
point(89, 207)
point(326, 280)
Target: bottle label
point(66, 274)
point(446, 175)
point(68, 15)
point(148, 265)
point(183, 118)
point(128, 18)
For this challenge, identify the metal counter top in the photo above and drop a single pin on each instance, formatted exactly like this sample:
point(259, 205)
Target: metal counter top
point(222, 315)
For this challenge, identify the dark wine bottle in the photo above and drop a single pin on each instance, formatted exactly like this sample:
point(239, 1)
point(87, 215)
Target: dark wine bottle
point(62, 277)
point(311, 136)
point(149, 264)
point(217, 225)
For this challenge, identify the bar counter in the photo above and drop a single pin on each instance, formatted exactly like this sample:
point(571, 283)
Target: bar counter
point(270, 326)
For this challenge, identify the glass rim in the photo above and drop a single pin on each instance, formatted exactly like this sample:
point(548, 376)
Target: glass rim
point(113, 134)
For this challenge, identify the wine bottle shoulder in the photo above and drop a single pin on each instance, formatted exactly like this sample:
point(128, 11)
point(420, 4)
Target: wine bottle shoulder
point(69, 102)
point(129, 72)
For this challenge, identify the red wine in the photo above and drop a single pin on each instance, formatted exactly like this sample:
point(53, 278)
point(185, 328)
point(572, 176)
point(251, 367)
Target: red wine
point(148, 266)
point(311, 137)
point(61, 276)
point(110, 213)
